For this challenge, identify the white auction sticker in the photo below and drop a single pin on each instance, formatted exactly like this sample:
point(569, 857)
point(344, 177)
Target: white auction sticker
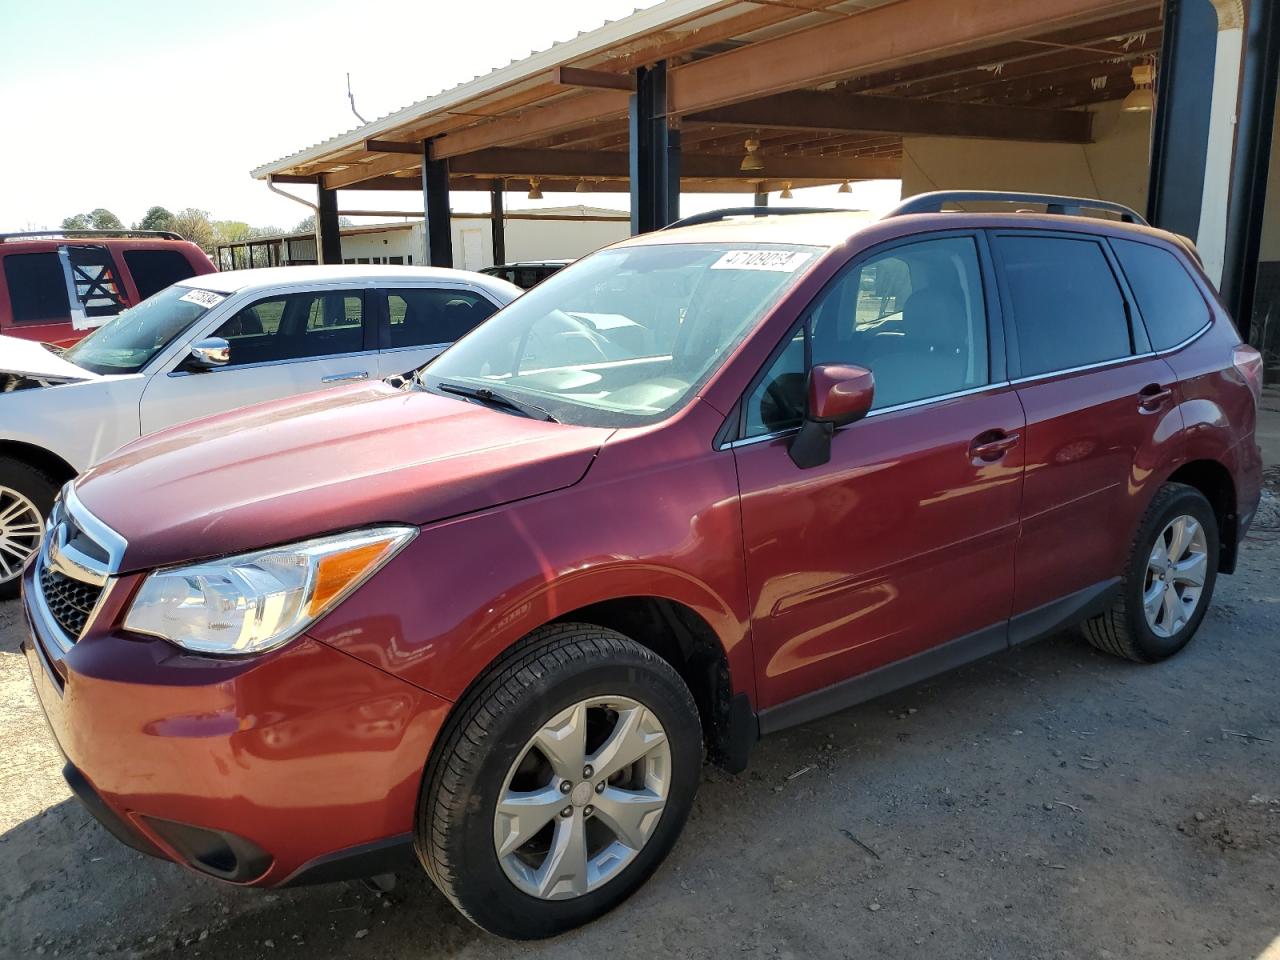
point(203, 298)
point(781, 261)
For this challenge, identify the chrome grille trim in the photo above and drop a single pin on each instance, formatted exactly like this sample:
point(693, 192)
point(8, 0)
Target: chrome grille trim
point(78, 547)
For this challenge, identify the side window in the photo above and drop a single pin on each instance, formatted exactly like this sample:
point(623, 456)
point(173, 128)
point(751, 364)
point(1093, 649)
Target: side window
point(295, 327)
point(1067, 307)
point(1169, 299)
point(153, 270)
point(37, 287)
point(419, 317)
point(915, 316)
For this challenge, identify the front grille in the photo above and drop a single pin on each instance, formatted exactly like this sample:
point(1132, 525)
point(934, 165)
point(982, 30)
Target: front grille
point(70, 602)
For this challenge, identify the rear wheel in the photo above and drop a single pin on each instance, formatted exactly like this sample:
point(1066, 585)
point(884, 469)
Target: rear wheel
point(26, 497)
point(562, 782)
point(1169, 582)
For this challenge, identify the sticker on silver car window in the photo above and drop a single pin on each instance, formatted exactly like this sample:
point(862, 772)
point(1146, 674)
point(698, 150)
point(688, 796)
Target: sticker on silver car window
point(203, 298)
point(780, 261)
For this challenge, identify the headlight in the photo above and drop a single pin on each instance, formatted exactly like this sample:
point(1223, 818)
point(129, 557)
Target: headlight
point(258, 601)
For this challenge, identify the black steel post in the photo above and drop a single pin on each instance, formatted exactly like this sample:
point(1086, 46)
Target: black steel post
point(497, 225)
point(1255, 117)
point(762, 197)
point(654, 152)
point(328, 233)
point(1180, 127)
point(437, 231)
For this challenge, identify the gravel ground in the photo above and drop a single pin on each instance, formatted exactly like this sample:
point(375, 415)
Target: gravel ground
point(1048, 803)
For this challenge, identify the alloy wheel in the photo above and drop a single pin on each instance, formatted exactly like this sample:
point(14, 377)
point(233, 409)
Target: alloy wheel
point(583, 798)
point(1176, 571)
point(21, 527)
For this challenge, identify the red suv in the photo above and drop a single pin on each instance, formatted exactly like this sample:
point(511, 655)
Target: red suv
point(700, 486)
point(56, 286)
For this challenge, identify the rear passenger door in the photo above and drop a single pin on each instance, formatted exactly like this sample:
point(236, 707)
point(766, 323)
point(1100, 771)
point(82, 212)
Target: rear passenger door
point(1101, 415)
point(281, 345)
point(417, 323)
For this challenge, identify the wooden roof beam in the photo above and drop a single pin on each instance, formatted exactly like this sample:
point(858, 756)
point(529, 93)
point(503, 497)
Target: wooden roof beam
point(556, 117)
point(836, 113)
point(910, 31)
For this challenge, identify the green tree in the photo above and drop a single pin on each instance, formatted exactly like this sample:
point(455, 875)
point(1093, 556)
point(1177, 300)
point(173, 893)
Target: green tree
point(308, 224)
point(99, 219)
point(194, 225)
point(156, 218)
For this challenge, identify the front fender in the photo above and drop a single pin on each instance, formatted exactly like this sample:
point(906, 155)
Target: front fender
point(466, 590)
point(78, 422)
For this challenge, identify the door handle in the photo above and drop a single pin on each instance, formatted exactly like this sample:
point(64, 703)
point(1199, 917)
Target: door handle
point(340, 377)
point(1153, 396)
point(992, 445)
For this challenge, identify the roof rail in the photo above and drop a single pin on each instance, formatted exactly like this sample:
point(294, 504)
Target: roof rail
point(87, 234)
point(714, 216)
point(1056, 205)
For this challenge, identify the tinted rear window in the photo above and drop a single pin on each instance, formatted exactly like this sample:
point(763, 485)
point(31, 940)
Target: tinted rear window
point(1169, 299)
point(1067, 308)
point(153, 270)
point(37, 287)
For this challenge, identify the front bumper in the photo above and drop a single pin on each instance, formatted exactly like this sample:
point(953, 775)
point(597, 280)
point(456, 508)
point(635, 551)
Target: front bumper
point(304, 764)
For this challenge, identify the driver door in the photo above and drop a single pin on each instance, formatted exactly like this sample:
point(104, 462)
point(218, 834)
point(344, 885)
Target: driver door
point(905, 539)
point(281, 345)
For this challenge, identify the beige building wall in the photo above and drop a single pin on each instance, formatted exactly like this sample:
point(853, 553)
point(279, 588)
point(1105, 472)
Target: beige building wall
point(1113, 167)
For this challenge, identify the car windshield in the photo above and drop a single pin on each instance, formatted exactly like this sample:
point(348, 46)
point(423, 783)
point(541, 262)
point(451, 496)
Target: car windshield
point(625, 336)
point(127, 342)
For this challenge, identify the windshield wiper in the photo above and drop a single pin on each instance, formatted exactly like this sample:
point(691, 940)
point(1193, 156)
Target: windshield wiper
point(487, 396)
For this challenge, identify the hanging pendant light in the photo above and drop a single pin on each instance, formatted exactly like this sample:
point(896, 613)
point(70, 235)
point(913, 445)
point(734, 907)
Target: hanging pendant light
point(845, 188)
point(535, 191)
point(1142, 99)
point(583, 186)
point(751, 160)
point(786, 190)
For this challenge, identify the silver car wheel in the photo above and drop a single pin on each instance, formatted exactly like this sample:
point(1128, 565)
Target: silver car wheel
point(1176, 571)
point(21, 527)
point(583, 798)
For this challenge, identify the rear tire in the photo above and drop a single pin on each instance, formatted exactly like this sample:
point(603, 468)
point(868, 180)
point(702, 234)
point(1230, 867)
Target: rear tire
point(1163, 597)
point(24, 492)
point(563, 678)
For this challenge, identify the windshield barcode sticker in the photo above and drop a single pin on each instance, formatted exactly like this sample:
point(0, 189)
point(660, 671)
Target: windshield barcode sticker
point(781, 261)
point(203, 298)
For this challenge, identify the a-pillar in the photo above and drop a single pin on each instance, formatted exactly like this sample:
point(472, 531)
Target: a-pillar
point(655, 153)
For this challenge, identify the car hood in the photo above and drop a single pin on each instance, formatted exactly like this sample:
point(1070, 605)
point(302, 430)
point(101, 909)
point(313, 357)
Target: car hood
point(29, 358)
point(344, 458)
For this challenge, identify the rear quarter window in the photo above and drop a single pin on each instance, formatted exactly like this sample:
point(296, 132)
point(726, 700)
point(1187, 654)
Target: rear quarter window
point(37, 287)
point(1170, 302)
point(153, 270)
point(1067, 307)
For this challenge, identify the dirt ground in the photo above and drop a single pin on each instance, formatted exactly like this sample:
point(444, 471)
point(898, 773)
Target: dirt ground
point(1048, 803)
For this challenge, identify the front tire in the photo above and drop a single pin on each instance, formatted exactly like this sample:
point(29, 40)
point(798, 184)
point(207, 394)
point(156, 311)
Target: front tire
point(26, 497)
point(1168, 583)
point(561, 783)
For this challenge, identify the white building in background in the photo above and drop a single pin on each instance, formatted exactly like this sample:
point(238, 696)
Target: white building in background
point(553, 233)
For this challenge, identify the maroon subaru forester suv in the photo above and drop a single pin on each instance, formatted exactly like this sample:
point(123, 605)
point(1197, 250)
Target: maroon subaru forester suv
point(703, 485)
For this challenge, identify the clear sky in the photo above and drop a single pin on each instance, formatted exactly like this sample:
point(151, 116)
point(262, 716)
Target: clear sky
point(128, 103)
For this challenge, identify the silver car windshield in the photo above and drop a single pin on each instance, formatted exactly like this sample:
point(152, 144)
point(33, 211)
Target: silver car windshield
point(627, 335)
point(127, 342)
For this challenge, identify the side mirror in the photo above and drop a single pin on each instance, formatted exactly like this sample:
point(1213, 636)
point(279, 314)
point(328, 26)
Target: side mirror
point(835, 394)
point(209, 353)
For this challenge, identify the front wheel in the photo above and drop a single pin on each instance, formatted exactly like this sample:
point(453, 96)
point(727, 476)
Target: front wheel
point(562, 782)
point(1169, 581)
point(26, 497)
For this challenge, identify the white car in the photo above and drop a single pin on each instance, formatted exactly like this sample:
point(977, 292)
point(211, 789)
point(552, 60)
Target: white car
point(205, 345)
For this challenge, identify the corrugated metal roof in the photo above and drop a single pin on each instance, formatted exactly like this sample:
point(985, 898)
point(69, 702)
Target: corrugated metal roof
point(611, 35)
